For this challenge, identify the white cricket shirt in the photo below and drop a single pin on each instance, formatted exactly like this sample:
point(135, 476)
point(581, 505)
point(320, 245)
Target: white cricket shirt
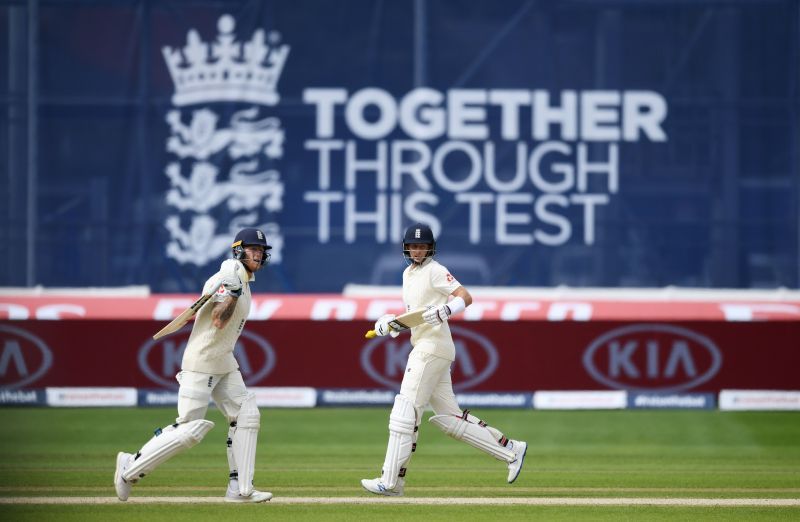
point(430, 284)
point(210, 349)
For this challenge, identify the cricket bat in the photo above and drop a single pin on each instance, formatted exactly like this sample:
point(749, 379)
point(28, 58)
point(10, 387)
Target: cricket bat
point(403, 322)
point(184, 317)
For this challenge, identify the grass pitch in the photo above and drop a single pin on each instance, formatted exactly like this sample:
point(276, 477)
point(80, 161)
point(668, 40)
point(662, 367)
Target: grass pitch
point(309, 456)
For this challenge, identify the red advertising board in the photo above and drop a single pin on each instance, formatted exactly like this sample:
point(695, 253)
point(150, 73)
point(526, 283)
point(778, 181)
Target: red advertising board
point(324, 307)
point(492, 355)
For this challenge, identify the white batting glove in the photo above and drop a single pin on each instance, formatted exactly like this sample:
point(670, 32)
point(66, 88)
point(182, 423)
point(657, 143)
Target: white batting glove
point(382, 326)
point(436, 315)
point(231, 280)
point(212, 285)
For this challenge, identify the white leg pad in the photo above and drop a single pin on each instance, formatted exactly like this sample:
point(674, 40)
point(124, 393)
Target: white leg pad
point(497, 434)
point(475, 434)
point(402, 440)
point(243, 443)
point(165, 445)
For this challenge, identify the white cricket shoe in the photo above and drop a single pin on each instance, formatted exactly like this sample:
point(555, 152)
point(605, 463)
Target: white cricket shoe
point(123, 488)
point(379, 488)
point(232, 495)
point(515, 466)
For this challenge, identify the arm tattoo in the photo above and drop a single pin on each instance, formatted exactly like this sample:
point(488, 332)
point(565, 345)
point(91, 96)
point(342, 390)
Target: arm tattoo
point(223, 311)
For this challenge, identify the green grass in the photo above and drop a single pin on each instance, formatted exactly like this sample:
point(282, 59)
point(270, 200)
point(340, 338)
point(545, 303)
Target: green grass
point(325, 452)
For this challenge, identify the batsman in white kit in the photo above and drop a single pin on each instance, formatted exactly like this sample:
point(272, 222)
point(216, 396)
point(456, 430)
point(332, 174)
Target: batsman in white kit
point(427, 379)
point(210, 371)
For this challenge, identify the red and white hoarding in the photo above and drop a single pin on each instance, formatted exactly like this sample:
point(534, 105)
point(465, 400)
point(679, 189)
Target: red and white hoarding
point(493, 355)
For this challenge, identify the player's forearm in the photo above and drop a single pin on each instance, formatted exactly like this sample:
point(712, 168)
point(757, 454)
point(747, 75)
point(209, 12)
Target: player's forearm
point(461, 299)
point(463, 294)
point(223, 311)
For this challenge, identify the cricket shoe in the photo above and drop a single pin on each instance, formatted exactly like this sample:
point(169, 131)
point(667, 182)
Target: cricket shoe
point(120, 484)
point(232, 495)
point(379, 488)
point(515, 466)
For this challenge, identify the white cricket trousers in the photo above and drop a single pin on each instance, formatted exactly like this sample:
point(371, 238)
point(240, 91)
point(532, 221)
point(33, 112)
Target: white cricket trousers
point(427, 380)
point(196, 389)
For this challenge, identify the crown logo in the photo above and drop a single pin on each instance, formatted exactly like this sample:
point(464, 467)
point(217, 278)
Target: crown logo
point(226, 70)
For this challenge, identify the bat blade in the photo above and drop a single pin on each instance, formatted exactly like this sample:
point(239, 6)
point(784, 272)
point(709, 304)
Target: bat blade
point(177, 323)
point(403, 322)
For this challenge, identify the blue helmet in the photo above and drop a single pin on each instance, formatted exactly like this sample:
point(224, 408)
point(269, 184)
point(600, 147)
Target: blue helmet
point(418, 234)
point(250, 236)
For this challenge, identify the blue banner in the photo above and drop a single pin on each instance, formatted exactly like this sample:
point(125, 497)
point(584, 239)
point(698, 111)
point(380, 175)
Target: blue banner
point(674, 401)
point(23, 398)
point(581, 143)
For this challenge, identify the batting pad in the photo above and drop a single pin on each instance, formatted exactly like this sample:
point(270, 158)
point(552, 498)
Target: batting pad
point(243, 443)
point(473, 434)
point(402, 438)
point(165, 445)
point(497, 434)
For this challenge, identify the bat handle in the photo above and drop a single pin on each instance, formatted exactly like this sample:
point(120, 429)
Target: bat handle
point(370, 334)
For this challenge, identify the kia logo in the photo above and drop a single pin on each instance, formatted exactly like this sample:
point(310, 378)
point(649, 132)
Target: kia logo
point(161, 359)
point(652, 357)
point(24, 358)
point(384, 359)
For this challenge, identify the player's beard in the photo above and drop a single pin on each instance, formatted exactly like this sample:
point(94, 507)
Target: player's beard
point(251, 264)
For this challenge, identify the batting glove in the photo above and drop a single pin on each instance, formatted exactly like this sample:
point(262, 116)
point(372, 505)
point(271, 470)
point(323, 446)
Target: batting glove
point(382, 326)
point(437, 314)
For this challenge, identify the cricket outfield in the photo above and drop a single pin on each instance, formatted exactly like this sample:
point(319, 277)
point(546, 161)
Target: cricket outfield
point(598, 465)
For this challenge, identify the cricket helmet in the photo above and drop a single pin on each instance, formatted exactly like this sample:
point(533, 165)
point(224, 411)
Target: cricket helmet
point(250, 237)
point(418, 234)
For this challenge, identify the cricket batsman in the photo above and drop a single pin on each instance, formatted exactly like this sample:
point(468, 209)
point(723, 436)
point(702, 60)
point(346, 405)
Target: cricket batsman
point(427, 379)
point(210, 371)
